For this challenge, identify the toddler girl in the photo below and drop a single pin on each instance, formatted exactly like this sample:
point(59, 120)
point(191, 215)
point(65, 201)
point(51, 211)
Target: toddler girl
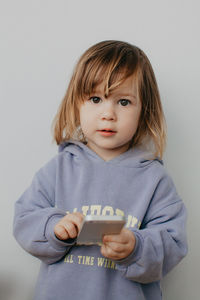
point(110, 130)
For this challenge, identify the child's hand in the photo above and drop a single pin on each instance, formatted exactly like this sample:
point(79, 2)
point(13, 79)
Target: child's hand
point(69, 226)
point(118, 246)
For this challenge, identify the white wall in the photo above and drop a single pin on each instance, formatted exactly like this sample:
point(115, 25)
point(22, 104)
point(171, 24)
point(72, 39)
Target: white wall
point(40, 42)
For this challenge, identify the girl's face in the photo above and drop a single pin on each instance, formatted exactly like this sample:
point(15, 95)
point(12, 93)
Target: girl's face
point(110, 123)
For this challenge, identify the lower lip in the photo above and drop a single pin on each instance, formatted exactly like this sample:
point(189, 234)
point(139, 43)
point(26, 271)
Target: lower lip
point(106, 133)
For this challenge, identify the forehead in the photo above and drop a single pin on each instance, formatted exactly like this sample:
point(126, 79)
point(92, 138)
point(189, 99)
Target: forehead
point(127, 87)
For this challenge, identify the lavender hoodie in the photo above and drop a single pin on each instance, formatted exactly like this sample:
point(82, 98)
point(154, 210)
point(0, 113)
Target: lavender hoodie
point(132, 184)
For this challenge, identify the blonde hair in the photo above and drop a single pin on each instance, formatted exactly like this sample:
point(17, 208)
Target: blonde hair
point(112, 62)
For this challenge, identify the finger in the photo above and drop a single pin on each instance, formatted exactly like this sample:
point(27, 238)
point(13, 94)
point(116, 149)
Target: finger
point(124, 237)
point(109, 253)
point(71, 229)
point(60, 232)
point(114, 238)
point(122, 248)
point(79, 219)
point(75, 218)
point(78, 214)
point(116, 247)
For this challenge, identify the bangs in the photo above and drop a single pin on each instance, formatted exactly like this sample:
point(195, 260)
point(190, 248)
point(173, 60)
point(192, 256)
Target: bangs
point(110, 66)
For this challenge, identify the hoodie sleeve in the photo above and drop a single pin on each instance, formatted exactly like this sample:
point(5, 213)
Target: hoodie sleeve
point(35, 218)
point(161, 242)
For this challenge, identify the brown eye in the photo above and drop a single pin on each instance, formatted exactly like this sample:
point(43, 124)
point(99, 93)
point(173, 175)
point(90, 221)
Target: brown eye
point(124, 102)
point(95, 99)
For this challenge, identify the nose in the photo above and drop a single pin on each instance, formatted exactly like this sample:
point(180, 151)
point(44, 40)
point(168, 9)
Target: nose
point(108, 111)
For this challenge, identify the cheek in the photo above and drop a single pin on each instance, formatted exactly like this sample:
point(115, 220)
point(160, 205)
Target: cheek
point(130, 120)
point(82, 114)
point(85, 119)
point(136, 116)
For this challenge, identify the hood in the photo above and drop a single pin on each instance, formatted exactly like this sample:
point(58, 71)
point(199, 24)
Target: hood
point(134, 157)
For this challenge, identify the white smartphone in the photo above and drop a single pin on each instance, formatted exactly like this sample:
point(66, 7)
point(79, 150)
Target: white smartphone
point(94, 227)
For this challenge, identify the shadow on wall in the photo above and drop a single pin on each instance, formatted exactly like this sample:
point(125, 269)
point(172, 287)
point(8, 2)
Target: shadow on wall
point(10, 290)
point(7, 287)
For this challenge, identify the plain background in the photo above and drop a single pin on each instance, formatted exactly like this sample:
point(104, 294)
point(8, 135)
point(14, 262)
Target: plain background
point(41, 41)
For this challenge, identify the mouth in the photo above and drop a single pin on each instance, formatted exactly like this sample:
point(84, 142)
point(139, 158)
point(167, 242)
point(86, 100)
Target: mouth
point(107, 132)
